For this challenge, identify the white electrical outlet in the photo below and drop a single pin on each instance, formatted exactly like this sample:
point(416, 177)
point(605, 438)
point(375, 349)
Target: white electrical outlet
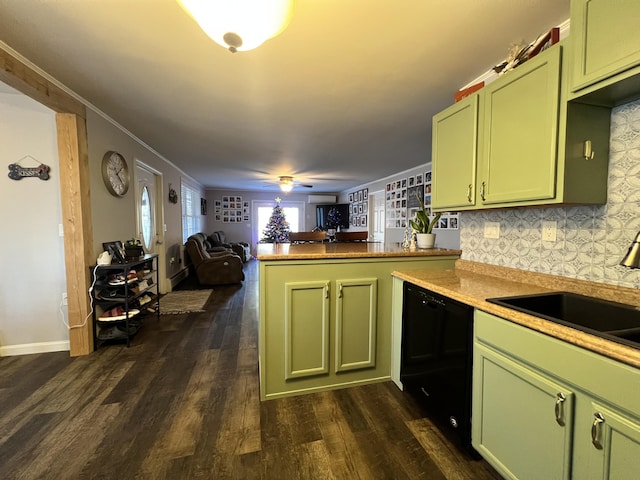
point(549, 231)
point(491, 229)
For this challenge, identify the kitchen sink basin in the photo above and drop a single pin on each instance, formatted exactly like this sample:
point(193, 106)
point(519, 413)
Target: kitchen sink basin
point(615, 321)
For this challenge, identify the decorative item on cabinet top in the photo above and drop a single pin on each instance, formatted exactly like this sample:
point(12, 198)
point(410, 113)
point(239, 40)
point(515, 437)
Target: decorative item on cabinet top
point(18, 172)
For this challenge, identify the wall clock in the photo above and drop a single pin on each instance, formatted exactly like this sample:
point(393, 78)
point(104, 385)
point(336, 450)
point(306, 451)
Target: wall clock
point(115, 173)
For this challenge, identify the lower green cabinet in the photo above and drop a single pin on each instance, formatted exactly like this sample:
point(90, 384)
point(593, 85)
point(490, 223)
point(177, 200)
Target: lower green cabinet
point(525, 417)
point(326, 323)
point(543, 408)
point(607, 443)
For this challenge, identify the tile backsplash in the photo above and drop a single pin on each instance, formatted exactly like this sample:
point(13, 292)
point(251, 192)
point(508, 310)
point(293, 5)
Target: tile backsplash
point(591, 240)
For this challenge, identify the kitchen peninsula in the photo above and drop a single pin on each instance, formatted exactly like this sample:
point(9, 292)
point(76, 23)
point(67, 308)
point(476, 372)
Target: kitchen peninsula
point(325, 312)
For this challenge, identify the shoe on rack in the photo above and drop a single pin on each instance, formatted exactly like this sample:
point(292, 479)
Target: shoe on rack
point(143, 284)
point(114, 294)
point(117, 313)
point(143, 300)
point(115, 332)
point(117, 279)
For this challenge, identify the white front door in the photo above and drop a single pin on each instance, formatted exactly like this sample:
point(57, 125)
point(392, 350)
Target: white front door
point(377, 205)
point(150, 229)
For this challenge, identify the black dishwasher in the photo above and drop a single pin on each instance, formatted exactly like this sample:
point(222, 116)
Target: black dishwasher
point(437, 336)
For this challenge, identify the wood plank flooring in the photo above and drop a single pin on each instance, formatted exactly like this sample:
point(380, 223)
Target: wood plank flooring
point(182, 402)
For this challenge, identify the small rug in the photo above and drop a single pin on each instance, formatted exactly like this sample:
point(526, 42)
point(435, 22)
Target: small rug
point(184, 301)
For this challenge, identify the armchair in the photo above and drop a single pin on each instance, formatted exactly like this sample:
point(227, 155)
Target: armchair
point(207, 245)
point(217, 268)
point(219, 239)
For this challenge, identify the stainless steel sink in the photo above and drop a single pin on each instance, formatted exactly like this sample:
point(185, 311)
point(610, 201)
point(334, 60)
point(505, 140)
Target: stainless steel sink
point(611, 320)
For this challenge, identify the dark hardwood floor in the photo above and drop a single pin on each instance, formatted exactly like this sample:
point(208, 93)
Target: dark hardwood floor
point(182, 402)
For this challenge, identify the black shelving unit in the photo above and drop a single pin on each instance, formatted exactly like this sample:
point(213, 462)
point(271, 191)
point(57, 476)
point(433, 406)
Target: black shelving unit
point(133, 289)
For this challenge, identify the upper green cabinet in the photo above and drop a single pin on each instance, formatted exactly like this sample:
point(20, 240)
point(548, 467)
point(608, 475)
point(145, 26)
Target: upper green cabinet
point(455, 141)
point(605, 39)
point(520, 133)
point(518, 142)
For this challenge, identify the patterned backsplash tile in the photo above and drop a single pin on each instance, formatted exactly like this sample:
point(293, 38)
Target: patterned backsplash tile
point(591, 240)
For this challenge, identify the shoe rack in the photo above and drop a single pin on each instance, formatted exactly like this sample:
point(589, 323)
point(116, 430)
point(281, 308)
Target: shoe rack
point(124, 296)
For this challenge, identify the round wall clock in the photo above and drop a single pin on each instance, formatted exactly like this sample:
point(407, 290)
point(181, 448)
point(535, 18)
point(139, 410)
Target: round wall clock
point(115, 173)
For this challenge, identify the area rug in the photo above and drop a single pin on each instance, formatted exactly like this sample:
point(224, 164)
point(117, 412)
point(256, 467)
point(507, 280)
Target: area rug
point(184, 301)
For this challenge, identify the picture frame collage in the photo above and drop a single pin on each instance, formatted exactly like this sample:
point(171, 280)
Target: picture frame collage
point(359, 207)
point(231, 209)
point(401, 203)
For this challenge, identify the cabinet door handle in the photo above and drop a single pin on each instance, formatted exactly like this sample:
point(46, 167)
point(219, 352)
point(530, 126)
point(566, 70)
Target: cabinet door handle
point(469, 193)
point(482, 191)
point(326, 290)
point(596, 430)
point(560, 399)
point(340, 291)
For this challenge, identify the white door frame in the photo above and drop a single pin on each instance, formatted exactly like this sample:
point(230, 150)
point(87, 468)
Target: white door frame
point(159, 220)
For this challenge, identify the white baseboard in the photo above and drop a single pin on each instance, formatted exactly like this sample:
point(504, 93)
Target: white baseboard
point(29, 348)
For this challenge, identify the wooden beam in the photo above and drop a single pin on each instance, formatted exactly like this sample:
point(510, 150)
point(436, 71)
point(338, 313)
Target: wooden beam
point(25, 79)
point(78, 229)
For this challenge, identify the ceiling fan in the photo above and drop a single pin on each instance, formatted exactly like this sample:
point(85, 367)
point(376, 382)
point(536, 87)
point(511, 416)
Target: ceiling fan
point(287, 183)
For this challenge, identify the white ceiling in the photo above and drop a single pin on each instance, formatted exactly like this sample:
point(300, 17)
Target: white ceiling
point(343, 96)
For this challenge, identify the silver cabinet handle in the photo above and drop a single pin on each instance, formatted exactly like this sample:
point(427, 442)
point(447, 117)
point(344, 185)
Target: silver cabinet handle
point(596, 430)
point(469, 193)
point(560, 399)
point(482, 191)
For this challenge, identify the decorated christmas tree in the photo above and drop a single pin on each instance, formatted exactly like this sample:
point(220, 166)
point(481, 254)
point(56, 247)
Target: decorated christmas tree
point(277, 229)
point(333, 218)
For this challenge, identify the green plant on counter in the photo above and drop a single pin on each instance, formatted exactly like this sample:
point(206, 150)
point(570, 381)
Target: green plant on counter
point(421, 222)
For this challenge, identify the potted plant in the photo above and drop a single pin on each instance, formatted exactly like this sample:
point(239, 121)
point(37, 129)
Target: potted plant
point(423, 226)
point(133, 249)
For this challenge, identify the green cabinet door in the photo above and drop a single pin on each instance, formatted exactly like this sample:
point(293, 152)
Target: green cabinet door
point(606, 442)
point(356, 320)
point(454, 155)
point(521, 421)
point(520, 132)
point(306, 319)
point(606, 39)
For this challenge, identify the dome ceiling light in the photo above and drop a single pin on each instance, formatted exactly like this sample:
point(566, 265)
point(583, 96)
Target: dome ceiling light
point(240, 25)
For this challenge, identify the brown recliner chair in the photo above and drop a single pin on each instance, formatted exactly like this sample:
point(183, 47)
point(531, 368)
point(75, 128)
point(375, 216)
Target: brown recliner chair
point(207, 245)
point(217, 268)
point(242, 249)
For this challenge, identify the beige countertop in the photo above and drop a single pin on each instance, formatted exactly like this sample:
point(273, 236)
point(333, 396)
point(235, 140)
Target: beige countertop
point(472, 283)
point(317, 251)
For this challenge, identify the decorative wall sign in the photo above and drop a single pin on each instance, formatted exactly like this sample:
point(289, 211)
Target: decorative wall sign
point(173, 196)
point(18, 172)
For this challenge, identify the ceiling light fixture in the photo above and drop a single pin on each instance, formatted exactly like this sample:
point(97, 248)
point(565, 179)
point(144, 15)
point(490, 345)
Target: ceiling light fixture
point(240, 25)
point(286, 184)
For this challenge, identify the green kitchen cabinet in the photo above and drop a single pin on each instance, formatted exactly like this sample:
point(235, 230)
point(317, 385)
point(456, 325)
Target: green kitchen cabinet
point(525, 418)
point(605, 40)
point(455, 146)
point(326, 323)
point(530, 144)
point(543, 408)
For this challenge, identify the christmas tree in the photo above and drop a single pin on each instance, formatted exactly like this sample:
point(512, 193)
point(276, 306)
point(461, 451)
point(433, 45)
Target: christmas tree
point(333, 218)
point(277, 230)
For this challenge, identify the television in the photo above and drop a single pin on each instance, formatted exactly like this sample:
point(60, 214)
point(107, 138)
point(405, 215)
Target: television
point(322, 211)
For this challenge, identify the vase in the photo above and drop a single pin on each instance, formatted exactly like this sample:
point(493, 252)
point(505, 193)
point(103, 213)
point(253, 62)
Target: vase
point(426, 240)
